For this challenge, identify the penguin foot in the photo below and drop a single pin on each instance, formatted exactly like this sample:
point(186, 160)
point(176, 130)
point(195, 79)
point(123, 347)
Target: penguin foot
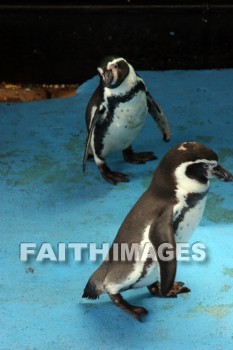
point(177, 288)
point(112, 176)
point(137, 158)
point(135, 311)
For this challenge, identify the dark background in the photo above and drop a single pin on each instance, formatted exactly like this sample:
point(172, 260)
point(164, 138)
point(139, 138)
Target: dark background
point(62, 41)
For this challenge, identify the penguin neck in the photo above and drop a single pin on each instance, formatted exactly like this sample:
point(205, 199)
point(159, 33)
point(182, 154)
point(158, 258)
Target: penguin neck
point(127, 84)
point(163, 184)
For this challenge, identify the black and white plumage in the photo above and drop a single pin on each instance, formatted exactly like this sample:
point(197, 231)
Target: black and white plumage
point(116, 114)
point(167, 212)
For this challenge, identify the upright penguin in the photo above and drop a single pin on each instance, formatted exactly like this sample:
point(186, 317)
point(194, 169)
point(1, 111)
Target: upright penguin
point(116, 114)
point(166, 213)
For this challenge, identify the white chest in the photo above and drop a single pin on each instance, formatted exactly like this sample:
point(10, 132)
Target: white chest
point(187, 219)
point(131, 114)
point(129, 118)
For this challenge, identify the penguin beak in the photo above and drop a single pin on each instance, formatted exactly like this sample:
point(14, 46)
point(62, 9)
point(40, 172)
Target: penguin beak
point(108, 77)
point(221, 173)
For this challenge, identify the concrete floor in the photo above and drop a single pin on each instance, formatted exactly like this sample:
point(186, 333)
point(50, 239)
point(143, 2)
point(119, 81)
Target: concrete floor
point(45, 197)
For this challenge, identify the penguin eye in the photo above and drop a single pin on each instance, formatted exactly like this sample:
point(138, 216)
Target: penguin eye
point(206, 165)
point(115, 66)
point(209, 165)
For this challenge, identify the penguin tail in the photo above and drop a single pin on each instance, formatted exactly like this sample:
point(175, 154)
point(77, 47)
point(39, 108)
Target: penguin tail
point(91, 291)
point(95, 286)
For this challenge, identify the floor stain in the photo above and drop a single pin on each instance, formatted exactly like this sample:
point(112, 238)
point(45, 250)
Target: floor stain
point(202, 138)
point(224, 153)
point(6, 169)
point(195, 121)
point(39, 169)
point(167, 306)
point(46, 169)
point(181, 127)
point(109, 216)
point(225, 288)
point(214, 210)
point(74, 145)
point(228, 271)
point(210, 310)
point(122, 187)
point(185, 295)
point(9, 154)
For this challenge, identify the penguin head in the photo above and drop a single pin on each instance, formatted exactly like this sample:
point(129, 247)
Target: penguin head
point(193, 164)
point(113, 70)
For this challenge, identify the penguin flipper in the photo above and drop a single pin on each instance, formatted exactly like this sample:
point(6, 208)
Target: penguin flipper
point(90, 132)
point(159, 117)
point(163, 239)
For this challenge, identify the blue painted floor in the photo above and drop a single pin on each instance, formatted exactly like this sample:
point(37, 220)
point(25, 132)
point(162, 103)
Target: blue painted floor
point(45, 197)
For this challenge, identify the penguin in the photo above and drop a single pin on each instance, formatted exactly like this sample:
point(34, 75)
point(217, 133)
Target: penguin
point(167, 213)
point(116, 114)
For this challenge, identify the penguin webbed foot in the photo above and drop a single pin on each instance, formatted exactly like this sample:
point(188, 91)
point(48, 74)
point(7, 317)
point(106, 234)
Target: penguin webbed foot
point(112, 177)
point(137, 158)
point(135, 311)
point(177, 288)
